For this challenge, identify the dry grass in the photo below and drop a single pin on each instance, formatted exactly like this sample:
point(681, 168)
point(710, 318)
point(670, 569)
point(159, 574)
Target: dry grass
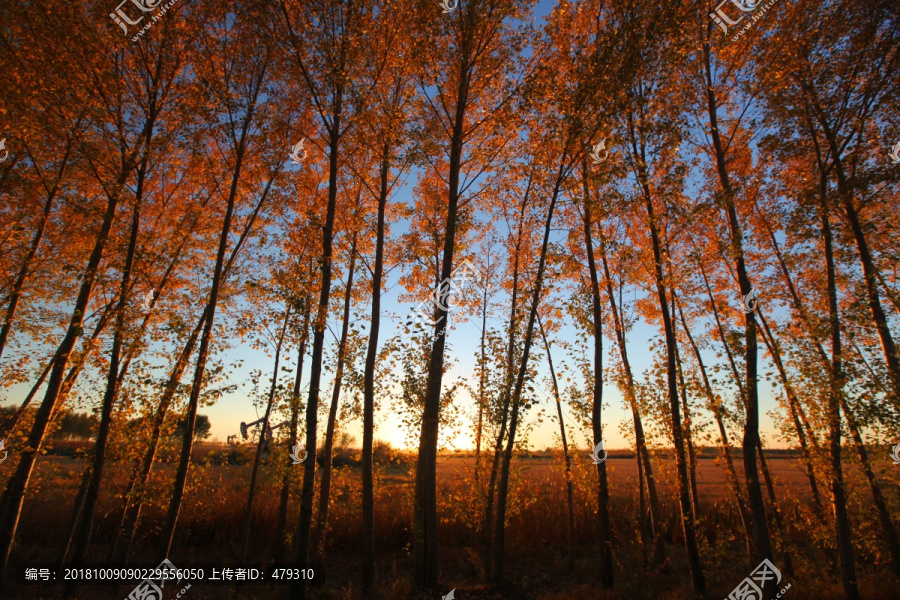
point(212, 514)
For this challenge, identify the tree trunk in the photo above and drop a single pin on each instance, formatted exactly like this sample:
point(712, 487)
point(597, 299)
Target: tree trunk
point(761, 535)
point(688, 436)
point(716, 408)
point(282, 546)
point(842, 518)
point(640, 439)
point(795, 410)
point(607, 576)
point(368, 481)
point(171, 521)
point(562, 434)
point(684, 495)
point(83, 535)
point(304, 523)
point(318, 544)
point(18, 483)
point(248, 516)
point(487, 527)
point(503, 484)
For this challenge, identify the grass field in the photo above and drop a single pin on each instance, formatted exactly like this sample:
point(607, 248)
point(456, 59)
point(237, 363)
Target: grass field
point(211, 520)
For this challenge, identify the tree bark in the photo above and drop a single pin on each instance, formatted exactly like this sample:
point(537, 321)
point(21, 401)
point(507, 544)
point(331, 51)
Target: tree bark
point(368, 481)
point(607, 577)
point(282, 546)
point(318, 543)
point(562, 434)
point(684, 495)
point(18, 483)
point(762, 539)
point(503, 484)
point(261, 443)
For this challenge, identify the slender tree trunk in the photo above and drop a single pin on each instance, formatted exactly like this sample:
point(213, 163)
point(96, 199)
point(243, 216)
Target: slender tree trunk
point(845, 193)
point(74, 518)
point(261, 443)
point(425, 564)
point(640, 439)
point(304, 523)
point(687, 517)
point(884, 516)
point(318, 544)
point(842, 518)
point(282, 546)
point(171, 521)
point(83, 535)
point(688, 436)
point(607, 577)
point(368, 480)
point(716, 408)
point(503, 484)
point(562, 434)
point(794, 406)
point(482, 372)
point(762, 539)
point(25, 269)
point(487, 527)
point(18, 483)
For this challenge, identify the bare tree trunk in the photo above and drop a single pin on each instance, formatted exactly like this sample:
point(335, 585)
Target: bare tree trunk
point(368, 476)
point(762, 539)
point(83, 535)
point(248, 516)
point(687, 517)
point(304, 523)
point(18, 483)
point(318, 543)
point(640, 439)
point(795, 410)
point(688, 436)
point(282, 546)
point(507, 388)
point(25, 269)
point(607, 577)
point(842, 518)
point(503, 484)
point(716, 408)
point(562, 434)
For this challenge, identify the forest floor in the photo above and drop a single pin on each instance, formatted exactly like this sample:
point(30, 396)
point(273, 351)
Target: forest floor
point(211, 520)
